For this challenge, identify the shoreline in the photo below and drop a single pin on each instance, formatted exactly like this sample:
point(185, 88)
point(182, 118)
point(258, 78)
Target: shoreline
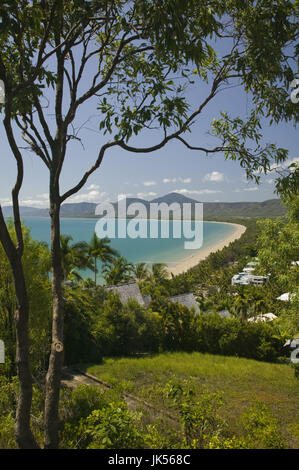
point(193, 260)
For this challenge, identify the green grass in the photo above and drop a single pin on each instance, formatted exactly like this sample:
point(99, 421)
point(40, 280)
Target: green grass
point(241, 382)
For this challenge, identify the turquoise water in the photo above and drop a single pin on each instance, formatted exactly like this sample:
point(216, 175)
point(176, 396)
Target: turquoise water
point(169, 251)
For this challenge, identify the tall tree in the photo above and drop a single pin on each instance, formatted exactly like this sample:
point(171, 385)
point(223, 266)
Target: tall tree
point(141, 271)
point(100, 249)
point(73, 256)
point(136, 58)
point(119, 271)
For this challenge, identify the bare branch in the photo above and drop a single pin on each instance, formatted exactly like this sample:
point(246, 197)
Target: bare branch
point(85, 177)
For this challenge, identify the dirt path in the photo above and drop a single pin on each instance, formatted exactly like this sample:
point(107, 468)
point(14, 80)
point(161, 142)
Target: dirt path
point(73, 378)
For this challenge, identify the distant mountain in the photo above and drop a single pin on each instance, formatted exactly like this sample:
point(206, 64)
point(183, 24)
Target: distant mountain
point(26, 212)
point(270, 208)
point(174, 198)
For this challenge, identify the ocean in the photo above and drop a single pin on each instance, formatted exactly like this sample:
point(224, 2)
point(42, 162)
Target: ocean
point(149, 250)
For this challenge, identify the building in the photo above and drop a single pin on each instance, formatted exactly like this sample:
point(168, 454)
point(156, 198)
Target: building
point(286, 297)
point(186, 299)
point(222, 313)
point(266, 317)
point(126, 292)
point(241, 279)
point(244, 278)
point(132, 291)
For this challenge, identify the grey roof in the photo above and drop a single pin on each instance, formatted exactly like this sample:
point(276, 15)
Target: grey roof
point(127, 291)
point(222, 313)
point(186, 299)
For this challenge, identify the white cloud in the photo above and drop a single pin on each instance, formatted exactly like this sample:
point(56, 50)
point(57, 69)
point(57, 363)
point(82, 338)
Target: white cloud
point(5, 201)
point(176, 180)
point(91, 196)
point(34, 203)
point(185, 180)
point(93, 186)
point(120, 197)
point(149, 183)
point(215, 176)
point(237, 190)
point(285, 164)
point(280, 166)
point(196, 191)
point(142, 195)
point(169, 180)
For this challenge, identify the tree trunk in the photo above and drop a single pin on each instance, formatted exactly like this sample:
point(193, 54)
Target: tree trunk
point(53, 377)
point(24, 436)
point(95, 271)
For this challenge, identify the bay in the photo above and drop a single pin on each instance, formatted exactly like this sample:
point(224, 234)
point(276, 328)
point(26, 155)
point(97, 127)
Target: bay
point(149, 250)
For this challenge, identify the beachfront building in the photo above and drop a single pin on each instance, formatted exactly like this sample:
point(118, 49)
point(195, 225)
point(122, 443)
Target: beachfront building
point(241, 279)
point(244, 278)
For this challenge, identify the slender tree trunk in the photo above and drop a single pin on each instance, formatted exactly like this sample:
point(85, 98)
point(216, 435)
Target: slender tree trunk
point(95, 270)
point(53, 377)
point(24, 436)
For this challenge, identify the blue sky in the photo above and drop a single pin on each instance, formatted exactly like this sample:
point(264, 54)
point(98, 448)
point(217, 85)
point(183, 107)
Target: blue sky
point(173, 168)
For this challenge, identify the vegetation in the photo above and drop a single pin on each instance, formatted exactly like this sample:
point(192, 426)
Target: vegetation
point(249, 392)
point(219, 354)
point(139, 57)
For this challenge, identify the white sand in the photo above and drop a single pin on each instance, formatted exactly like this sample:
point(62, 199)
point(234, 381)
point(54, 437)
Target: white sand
point(193, 260)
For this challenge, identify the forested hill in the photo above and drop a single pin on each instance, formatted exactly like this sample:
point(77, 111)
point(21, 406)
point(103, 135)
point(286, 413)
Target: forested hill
point(270, 208)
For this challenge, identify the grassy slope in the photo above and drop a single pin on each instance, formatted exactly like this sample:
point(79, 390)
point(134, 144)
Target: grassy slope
point(241, 381)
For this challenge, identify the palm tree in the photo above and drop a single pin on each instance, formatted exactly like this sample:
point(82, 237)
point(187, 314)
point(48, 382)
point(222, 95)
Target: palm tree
point(160, 272)
point(99, 248)
point(118, 272)
point(141, 271)
point(242, 304)
point(73, 257)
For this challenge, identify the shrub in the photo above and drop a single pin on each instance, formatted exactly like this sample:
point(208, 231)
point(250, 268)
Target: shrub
point(228, 336)
point(113, 427)
point(262, 428)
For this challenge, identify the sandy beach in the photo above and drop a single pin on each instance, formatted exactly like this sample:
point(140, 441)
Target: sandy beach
point(193, 260)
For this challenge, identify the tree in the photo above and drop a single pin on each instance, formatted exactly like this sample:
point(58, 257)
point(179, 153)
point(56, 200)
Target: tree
point(100, 249)
point(119, 271)
point(242, 303)
point(141, 271)
point(133, 53)
point(278, 255)
point(36, 262)
point(73, 257)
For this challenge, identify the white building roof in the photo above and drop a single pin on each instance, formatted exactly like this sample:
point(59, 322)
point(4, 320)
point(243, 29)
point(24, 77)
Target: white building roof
point(285, 297)
point(263, 317)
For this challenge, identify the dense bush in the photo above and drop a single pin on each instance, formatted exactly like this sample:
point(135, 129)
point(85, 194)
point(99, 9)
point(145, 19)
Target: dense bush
point(126, 329)
point(228, 336)
point(97, 327)
point(79, 341)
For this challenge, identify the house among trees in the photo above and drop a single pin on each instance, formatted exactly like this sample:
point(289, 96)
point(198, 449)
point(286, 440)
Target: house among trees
point(186, 299)
point(244, 278)
point(266, 317)
point(132, 291)
point(127, 291)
